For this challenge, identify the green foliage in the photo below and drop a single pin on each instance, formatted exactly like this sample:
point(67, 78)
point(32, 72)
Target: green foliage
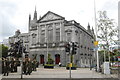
point(50, 60)
point(49, 65)
point(4, 50)
point(113, 56)
point(107, 34)
point(107, 30)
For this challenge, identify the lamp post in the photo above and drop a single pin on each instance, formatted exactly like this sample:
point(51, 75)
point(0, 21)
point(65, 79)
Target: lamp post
point(90, 61)
point(47, 47)
point(70, 53)
point(21, 43)
point(118, 63)
point(91, 58)
point(96, 36)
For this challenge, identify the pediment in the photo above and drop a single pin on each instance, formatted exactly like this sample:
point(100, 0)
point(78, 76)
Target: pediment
point(68, 30)
point(50, 16)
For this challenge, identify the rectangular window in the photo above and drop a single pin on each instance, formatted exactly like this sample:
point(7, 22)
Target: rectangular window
point(69, 37)
point(58, 35)
point(43, 36)
point(50, 32)
point(27, 38)
point(50, 35)
point(33, 40)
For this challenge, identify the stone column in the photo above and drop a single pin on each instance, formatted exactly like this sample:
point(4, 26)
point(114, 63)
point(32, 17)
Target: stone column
point(37, 34)
point(60, 32)
point(63, 31)
point(30, 39)
point(46, 33)
point(54, 33)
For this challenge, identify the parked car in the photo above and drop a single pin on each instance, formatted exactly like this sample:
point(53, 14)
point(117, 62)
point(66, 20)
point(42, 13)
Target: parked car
point(116, 64)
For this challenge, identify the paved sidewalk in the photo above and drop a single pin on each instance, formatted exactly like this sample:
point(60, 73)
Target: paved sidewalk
point(60, 72)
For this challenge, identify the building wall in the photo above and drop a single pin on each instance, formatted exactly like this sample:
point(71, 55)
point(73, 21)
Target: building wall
point(54, 31)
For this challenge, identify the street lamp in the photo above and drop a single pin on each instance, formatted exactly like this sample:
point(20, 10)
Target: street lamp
point(96, 36)
point(47, 46)
point(21, 44)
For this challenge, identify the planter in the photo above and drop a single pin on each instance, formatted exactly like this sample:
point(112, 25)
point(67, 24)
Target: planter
point(50, 66)
point(72, 68)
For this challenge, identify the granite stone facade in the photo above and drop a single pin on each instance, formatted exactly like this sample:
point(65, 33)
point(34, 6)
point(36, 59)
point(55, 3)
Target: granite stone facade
point(50, 33)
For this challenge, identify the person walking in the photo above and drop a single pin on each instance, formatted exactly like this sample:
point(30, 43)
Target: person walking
point(6, 67)
point(29, 67)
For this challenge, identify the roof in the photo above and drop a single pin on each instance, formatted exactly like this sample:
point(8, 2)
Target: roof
point(50, 16)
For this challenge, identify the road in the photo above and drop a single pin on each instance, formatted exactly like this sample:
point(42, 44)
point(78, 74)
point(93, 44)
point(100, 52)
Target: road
point(60, 72)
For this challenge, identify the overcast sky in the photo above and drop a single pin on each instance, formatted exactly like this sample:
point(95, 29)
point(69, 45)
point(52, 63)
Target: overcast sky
point(14, 14)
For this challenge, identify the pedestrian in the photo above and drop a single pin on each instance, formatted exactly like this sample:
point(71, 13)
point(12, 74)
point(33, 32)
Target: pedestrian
point(37, 64)
point(3, 65)
point(29, 67)
point(15, 66)
point(12, 65)
point(34, 65)
point(6, 67)
point(24, 67)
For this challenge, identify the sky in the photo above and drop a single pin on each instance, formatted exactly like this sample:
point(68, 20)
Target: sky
point(14, 14)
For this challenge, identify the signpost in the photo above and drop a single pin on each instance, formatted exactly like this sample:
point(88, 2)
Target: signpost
point(96, 49)
point(96, 43)
point(70, 64)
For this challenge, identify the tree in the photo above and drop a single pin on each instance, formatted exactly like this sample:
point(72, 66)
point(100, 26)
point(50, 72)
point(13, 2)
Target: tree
point(50, 60)
point(17, 49)
point(107, 31)
point(4, 50)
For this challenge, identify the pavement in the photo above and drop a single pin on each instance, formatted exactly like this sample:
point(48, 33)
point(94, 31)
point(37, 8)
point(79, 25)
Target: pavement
point(60, 72)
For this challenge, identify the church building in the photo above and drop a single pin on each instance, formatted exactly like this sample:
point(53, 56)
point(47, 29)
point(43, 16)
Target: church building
point(49, 35)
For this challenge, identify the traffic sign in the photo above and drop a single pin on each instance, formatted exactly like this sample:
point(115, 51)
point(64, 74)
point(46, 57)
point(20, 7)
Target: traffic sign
point(95, 49)
point(96, 43)
point(118, 58)
point(117, 42)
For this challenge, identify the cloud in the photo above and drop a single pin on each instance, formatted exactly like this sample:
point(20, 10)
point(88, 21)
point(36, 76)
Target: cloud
point(7, 12)
point(14, 13)
point(111, 6)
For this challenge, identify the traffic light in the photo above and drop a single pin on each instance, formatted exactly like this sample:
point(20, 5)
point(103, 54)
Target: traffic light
point(74, 48)
point(67, 47)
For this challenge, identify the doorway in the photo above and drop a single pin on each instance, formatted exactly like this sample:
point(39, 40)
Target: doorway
point(41, 59)
point(57, 59)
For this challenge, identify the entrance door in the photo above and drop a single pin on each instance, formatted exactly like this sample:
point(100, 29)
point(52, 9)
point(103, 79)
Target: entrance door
point(57, 59)
point(41, 59)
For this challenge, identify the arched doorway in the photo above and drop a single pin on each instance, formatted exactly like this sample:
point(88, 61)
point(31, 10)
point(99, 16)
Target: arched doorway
point(57, 59)
point(41, 59)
